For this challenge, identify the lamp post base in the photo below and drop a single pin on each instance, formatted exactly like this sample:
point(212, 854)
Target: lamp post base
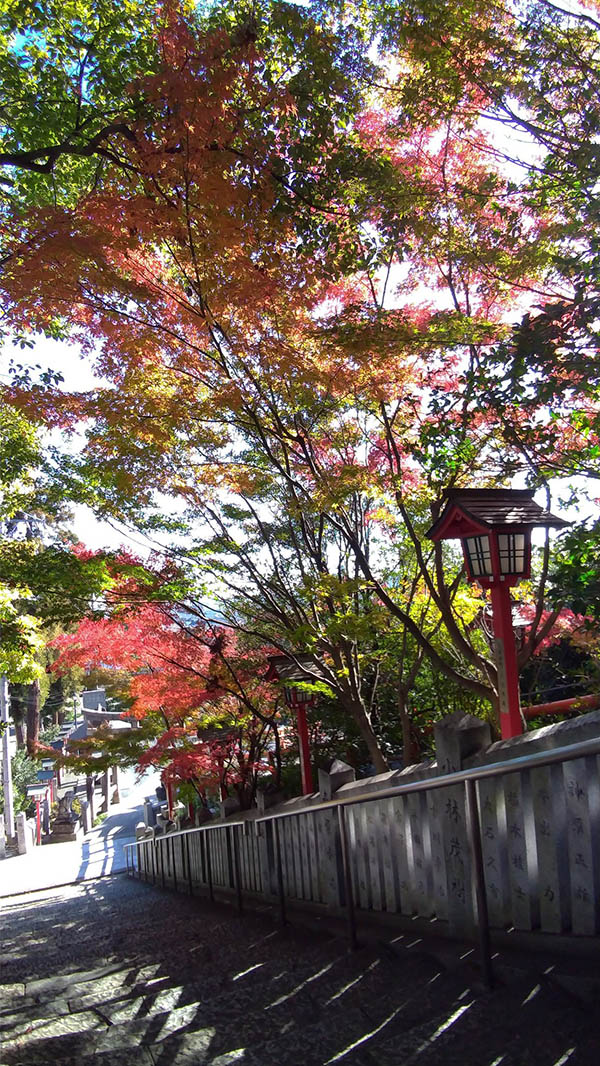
point(511, 722)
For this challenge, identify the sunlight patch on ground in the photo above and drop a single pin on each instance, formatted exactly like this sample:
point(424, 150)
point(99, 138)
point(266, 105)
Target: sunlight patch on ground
point(565, 1058)
point(262, 940)
point(298, 988)
point(351, 984)
point(532, 994)
point(250, 969)
point(179, 1018)
point(450, 1021)
point(443, 1028)
point(367, 1036)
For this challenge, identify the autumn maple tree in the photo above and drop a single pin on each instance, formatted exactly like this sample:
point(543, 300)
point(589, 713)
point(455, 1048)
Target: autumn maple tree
point(207, 716)
point(323, 291)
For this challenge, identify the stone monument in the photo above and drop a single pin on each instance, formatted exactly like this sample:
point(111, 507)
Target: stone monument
point(66, 824)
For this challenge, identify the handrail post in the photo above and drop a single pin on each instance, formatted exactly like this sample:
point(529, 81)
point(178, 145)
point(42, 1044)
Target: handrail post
point(174, 865)
point(189, 866)
point(280, 886)
point(478, 878)
point(347, 876)
point(208, 858)
point(236, 867)
point(162, 860)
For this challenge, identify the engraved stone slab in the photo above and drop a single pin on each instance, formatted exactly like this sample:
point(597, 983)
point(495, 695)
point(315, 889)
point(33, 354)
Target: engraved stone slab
point(579, 837)
point(492, 813)
point(420, 854)
point(327, 839)
point(400, 826)
point(457, 857)
point(375, 863)
point(438, 863)
point(550, 821)
point(522, 867)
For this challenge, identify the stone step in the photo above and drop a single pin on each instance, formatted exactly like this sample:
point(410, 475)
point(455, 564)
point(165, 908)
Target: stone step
point(151, 979)
point(106, 1014)
point(322, 1012)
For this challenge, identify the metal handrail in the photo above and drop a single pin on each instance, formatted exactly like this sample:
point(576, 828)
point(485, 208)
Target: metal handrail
point(469, 778)
point(458, 777)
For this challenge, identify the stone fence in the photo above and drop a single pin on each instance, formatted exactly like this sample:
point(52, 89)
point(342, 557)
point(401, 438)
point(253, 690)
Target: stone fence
point(409, 854)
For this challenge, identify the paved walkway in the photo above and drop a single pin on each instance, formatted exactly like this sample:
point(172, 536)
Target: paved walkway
point(100, 852)
point(114, 973)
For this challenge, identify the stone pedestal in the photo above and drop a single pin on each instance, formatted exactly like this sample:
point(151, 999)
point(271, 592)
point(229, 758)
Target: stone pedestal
point(2, 838)
point(66, 824)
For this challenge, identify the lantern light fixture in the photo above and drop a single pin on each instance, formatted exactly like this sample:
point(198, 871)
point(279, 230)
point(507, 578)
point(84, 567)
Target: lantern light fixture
point(288, 670)
point(494, 527)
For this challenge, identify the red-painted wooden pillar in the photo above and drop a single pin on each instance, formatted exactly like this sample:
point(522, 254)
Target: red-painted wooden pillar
point(304, 749)
point(511, 722)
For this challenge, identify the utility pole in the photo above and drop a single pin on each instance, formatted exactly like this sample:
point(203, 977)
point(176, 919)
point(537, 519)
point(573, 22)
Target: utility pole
point(9, 808)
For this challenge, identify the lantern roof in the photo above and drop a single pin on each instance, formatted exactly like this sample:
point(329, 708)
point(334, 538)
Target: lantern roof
point(300, 668)
point(470, 512)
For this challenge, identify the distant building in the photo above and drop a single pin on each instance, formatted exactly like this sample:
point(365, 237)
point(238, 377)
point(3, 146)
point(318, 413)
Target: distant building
point(94, 710)
point(94, 699)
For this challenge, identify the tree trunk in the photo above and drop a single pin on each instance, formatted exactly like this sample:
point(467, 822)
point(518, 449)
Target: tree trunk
point(17, 712)
point(33, 716)
point(411, 753)
point(363, 722)
point(19, 732)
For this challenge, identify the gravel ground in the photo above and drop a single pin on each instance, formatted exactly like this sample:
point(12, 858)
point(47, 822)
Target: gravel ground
point(115, 972)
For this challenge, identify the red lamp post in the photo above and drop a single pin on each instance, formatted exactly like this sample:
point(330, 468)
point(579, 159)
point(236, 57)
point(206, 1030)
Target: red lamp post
point(494, 527)
point(281, 668)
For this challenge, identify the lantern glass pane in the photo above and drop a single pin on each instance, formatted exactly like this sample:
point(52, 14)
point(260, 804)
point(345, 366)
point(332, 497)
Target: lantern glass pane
point(295, 697)
point(480, 558)
point(511, 552)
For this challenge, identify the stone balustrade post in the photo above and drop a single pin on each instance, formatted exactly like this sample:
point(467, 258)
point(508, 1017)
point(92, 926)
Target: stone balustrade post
point(86, 816)
point(149, 814)
point(24, 838)
point(331, 780)
point(116, 798)
point(89, 792)
point(105, 792)
point(458, 737)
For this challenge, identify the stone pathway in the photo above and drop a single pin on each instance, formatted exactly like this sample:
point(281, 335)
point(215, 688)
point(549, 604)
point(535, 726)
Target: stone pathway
point(99, 853)
point(115, 973)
